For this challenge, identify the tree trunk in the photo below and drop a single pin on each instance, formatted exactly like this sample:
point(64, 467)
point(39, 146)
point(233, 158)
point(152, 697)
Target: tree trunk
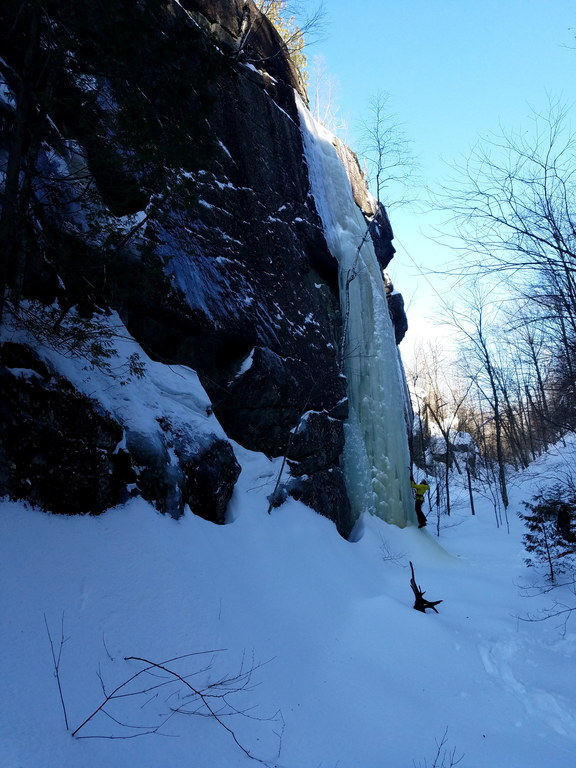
point(470, 494)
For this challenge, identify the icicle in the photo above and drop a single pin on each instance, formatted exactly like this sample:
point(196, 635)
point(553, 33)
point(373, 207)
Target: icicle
point(376, 456)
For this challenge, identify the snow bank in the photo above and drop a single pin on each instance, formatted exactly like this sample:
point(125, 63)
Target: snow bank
point(350, 675)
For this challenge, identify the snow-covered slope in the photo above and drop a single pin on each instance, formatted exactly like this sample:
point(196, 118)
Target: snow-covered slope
point(340, 671)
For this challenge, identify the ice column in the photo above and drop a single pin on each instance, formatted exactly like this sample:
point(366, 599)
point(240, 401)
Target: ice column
point(376, 456)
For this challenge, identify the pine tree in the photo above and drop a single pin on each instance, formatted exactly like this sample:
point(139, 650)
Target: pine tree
point(550, 540)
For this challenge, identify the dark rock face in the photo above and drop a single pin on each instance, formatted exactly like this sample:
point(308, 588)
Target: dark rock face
point(210, 476)
point(382, 235)
point(225, 270)
point(58, 449)
point(378, 221)
point(316, 443)
point(398, 316)
point(396, 309)
point(203, 478)
point(263, 403)
point(325, 491)
point(313, 453)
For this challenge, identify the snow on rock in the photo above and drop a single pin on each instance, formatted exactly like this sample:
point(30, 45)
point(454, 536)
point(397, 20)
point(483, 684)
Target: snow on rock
point(179, 453)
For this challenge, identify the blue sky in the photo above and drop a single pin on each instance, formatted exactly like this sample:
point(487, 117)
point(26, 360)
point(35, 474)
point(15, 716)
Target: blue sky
point(455, 70)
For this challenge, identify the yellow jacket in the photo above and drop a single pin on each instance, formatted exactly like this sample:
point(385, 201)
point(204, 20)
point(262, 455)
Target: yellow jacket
point(420, 489)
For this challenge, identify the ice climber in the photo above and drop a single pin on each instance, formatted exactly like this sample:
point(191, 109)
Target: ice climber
point(396, 309)
point(420, 489)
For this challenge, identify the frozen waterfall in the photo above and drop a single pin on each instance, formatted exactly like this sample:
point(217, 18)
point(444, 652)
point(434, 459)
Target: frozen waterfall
point(376, 456)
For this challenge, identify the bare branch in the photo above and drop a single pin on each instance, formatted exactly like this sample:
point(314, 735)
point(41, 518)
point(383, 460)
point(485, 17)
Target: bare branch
point(56, 658)
point(388, 153)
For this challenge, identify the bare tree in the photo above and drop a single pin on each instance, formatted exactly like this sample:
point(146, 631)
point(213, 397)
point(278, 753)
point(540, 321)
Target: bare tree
point(513, 207)
point(439, 402)
point(295, 26)
point(512, 202)
point(474, 320)
point(390, 161)
point(323, 89)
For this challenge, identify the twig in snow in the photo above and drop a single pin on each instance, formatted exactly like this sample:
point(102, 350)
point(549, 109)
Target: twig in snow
point(56, 662)
point(444, 758)
point(201, 695)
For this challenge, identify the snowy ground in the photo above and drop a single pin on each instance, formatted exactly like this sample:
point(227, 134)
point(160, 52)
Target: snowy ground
point(341, 672)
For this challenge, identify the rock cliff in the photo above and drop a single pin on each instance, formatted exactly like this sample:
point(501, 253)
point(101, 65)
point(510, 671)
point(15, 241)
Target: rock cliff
point(154, 175)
